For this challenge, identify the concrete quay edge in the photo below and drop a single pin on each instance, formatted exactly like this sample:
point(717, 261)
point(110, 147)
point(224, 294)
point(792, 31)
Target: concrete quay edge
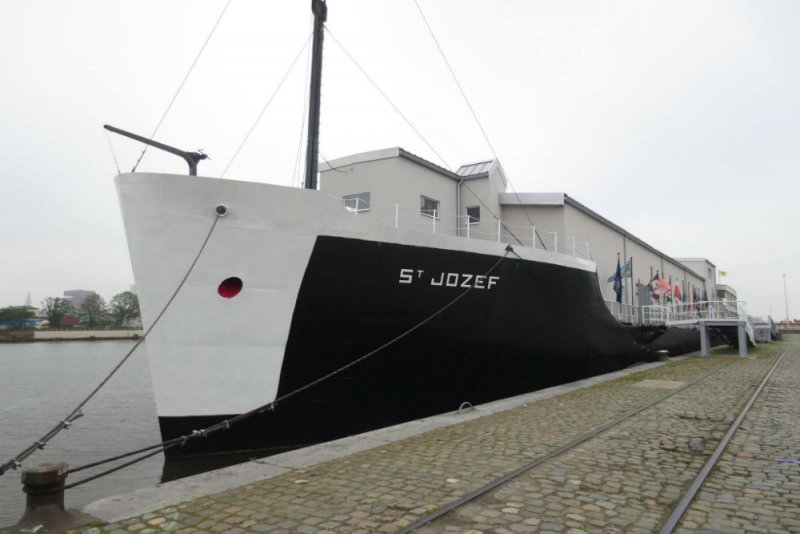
point(124, 506)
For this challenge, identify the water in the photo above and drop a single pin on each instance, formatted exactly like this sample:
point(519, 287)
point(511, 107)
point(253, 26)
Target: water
point(40, 383)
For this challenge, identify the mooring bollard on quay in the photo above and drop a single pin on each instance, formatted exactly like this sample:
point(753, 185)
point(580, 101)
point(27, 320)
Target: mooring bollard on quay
point(43, 483)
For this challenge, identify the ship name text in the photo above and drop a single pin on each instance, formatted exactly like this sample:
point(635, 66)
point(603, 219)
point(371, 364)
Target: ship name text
point(465, 280)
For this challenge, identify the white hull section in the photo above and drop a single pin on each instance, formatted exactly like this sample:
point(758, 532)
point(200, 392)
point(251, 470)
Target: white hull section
point(217, 356)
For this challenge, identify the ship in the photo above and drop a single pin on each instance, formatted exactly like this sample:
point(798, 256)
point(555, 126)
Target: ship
point(335, 321)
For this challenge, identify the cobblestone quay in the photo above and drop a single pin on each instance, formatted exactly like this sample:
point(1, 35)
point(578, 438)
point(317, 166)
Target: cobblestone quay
point(627, 479)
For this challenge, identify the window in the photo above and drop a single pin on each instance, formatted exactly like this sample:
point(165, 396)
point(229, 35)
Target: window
point(473, 215)
point(428, 206)
point(356, 203)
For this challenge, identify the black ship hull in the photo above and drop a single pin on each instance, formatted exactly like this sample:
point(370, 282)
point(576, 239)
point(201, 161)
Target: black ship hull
point(491, 327)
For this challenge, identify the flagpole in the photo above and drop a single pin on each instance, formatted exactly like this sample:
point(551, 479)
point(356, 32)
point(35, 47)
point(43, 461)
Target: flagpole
point(624, 278)
point(632, 291)
point(618, 285)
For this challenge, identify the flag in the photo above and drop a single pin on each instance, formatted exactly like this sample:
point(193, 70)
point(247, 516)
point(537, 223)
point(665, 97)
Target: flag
point(677, 291)
point(697, 300)
point(625, 272)
point(659, 286)
point(618, 282)
point(652, 285)
point(627, 269)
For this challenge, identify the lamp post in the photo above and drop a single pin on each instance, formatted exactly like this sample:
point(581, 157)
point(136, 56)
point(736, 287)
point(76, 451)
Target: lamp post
point(785, 299)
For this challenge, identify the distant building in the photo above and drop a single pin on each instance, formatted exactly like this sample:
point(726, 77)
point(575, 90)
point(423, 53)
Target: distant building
point(725, 292)
point(707, 270)
point(77, 296)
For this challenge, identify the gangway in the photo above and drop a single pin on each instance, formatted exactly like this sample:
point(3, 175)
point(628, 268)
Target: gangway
point(728, 319)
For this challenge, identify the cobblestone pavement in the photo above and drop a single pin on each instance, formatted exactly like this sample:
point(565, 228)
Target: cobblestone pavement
point(624, 481)
point(755, 486)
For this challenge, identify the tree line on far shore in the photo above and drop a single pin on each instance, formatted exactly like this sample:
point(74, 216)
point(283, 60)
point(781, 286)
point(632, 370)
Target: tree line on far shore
point(93, 312)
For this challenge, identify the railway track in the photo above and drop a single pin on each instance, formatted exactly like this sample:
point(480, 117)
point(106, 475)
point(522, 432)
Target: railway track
point(639, 424)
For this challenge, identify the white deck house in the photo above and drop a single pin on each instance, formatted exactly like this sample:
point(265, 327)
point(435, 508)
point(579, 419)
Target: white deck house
point(396, 188)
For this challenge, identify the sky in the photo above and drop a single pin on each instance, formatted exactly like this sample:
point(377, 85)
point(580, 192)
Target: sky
point(679, 121)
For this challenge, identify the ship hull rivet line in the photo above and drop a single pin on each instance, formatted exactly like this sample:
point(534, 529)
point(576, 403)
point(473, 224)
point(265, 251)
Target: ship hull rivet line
point(44, 507)
point(683, 505)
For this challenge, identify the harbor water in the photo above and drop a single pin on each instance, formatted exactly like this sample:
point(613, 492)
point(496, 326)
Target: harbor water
point(40, 383)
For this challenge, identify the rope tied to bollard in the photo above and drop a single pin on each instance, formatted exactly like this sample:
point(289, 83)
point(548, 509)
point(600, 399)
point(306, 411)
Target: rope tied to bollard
point(16, 462)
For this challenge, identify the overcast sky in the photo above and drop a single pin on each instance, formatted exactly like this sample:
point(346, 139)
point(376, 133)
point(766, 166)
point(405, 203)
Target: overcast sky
point(679, 121)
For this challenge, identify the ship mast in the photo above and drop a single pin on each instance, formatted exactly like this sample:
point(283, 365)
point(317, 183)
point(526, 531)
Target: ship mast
point(320, 10)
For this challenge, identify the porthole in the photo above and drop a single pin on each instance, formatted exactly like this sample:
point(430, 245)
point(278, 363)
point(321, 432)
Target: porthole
point(230, 287)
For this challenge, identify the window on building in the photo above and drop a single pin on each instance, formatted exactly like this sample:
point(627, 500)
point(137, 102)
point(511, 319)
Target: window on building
point(473, 215)
point(356, 203)
point(428, 206)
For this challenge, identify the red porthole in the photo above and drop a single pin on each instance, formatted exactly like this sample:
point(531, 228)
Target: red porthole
point(230, 287)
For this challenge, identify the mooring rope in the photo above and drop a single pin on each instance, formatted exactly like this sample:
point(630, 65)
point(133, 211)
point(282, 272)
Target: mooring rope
point(226, 424)
point(16, 462)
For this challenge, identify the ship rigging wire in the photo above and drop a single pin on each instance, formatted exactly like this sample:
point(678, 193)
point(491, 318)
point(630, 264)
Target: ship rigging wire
point(266, 106)
point(183, 82)
point(477, 121)
point(299, 173)
point(386, 97)
point(424, 140)
point(113, 154)
point(455, 79)
point(76, 413)
point(227, 423)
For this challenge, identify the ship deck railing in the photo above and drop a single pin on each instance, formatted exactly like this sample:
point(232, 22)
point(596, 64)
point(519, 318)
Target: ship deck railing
point(436, 222)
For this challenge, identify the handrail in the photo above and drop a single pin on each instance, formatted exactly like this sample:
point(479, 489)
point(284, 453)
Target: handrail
point(399, 216)
point(693, 311)
point(623, 312)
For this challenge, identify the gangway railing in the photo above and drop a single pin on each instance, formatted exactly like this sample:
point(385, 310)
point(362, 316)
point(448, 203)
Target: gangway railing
point(624, 313)
point(692, 312)
point(437, 222)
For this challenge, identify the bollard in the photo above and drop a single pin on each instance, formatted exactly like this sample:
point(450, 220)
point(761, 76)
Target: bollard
point(44, 507)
